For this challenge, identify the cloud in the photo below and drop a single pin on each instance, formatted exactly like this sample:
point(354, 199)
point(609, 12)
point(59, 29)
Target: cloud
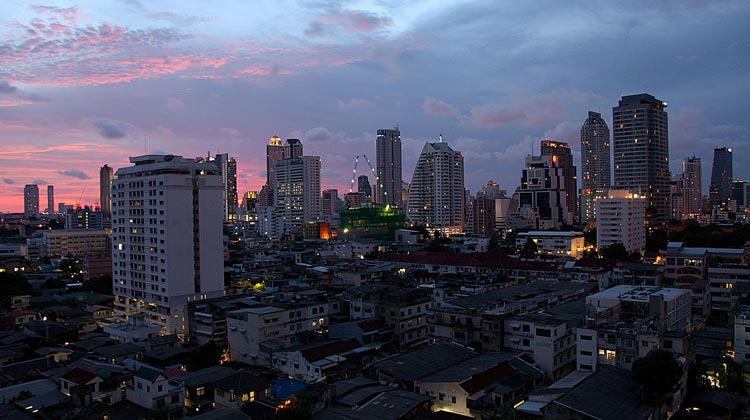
point(355, 103)
point(230, 132)
point(39, 182)
point(6, 87)
point(174, 104)
point(436, 107)
point(178, 19)
point(74, 173)
point(69, 14)
point(8, 181)
point(315, 29)
point(111, 129)
point(351, 21)
point(318, 134)
point(491, 116)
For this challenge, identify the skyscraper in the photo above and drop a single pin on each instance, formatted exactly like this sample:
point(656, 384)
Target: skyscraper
point(641, 152)
point(296, 187)
point(692, 190)
point(436, 196)
point(720, 189)
point(30, 201)
point(562, 157)
point(274, 153)
point(166, 238)
point(105, 188)
point(50, 200)
point(328, 202)
point(228, 170)
point(620, 218)
point(388, 167)
point(596, 178)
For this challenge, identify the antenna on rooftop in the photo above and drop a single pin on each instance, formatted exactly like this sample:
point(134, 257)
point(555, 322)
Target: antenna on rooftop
point(145, 143)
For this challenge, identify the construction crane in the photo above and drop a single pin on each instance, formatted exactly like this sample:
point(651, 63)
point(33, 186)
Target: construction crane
point(354, 174)
point(375, 175)
point(78, 203)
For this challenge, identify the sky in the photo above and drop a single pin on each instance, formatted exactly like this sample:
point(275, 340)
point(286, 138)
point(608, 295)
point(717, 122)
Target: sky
point(92, 82)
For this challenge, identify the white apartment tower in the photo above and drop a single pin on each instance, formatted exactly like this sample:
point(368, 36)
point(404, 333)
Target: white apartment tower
point(436, 197)
point(167, 238)
point(297, 191)
point(621, 217)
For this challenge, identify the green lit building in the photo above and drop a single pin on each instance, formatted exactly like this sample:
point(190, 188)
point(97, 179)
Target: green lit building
point(370, 222)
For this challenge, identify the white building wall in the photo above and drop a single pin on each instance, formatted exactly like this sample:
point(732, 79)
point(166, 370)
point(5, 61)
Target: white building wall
point(621, 218)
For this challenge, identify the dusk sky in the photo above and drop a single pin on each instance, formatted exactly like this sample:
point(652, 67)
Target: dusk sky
point(83, 83)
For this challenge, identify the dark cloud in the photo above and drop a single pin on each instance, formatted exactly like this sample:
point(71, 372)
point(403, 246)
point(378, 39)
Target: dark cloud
point(74, 173)
point(111, 129)
point(318, 134)
point(6, 87)
point(39, 182)
point(8, 181)
point(178, 19)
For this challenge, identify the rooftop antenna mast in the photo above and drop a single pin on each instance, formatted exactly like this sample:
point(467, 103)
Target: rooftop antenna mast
point(145, 143)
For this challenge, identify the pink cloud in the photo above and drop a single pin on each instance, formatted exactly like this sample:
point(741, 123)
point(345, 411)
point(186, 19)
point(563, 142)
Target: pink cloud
point(491, 116)
point(436, 107)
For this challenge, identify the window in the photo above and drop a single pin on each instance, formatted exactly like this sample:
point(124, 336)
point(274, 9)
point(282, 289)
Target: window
point(585, 353)
point(453, 399)
point(441, 396)
point(586, 337)
point(667, 344)
point(200, 391)
point(543, 332)
point(526, 328)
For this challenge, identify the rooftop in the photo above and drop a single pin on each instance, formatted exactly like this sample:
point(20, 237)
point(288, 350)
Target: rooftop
point(637, 293)
point(424, 362)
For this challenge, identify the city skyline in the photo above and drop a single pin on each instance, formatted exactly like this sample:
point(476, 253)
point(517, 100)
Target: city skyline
point(192, 80)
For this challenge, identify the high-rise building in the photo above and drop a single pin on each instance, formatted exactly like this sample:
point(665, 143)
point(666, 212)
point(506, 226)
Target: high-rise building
point(167, 238)
point(596, 178)
point(692, 190)
point(50, 200)
point(491, 191)
point(30, 201)
point(620, 218)
point(228, 170)
point(84, 218)
point(105, 187)
point(436, 195)
point(541, 200)
point(296, 188)
point(363, 186)
point(562, 156)
point(388, 167)
point(739, 192)
point(328, 202)
point(641, 152)
point(720, 189)
point(274, 153)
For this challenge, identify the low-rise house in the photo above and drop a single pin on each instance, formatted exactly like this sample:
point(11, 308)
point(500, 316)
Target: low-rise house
point(22, 316)
point(240, 388)
point(152, 389)
point(134, 330)
point(315, 362)
point(199, 387)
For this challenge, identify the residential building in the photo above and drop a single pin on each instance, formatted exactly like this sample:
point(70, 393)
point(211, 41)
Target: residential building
point(641, 152)
point(106, 175)
point(85, 218)
point(318, 361)
point(167, 240)
point(388, 166)
point(551, 340)
point(541, 199)
point(30, 201)
point(363, 186)
point(152, 389)
point(563, 157)
point(60, 243)
point(436, 197)
point(620, 218)
point(692, 190)
point(596, 178)
point(720, 189)
point(297, 187)
point(742, 335)
point(274, 153)
point(554, 243)
point(329, 202)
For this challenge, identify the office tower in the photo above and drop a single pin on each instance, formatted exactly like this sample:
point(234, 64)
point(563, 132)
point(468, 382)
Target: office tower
point(540, 199)
point(491, 191)
point(436, 195)
point(677, 197)
point(620, 218)
point(363, 186)
point(482, 218)
point(105, 195)
point(228, 170)
point(692, 190)
point(167, 238)
point(720, 189)
point(274, 153)
point(388, 167)
point(296, 188)
point(328, 202)
point(562, 157)
point(641, 151)
point(30, 201)
point(595, 164)
point(292, 149)
point(739, 188)
point(50, 200)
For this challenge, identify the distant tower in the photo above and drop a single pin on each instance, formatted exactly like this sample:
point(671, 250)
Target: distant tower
point(692, 192)
point(541, 198)
point(105, 191)
point(596, 177)
point(388, 167)
point(363, 186)
point(641, 152)
point(274, 153)
point(228, 169)
point(328, 202)
point(562, 157)
point(720, 190)
point(436, 197)
point(292, 149)
point(296, 187)
point(30, 201)
point(50, 200)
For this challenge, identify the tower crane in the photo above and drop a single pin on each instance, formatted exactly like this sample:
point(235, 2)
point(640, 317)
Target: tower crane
point(354, 174)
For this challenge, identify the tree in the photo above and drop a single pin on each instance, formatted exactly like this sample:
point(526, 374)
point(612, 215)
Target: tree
point(12, 284)
point(615, 252)
point(659, 374)
point(529, 248)
point(589, 237)
point(205, 356)
point(100, 284)
point(730, 376)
